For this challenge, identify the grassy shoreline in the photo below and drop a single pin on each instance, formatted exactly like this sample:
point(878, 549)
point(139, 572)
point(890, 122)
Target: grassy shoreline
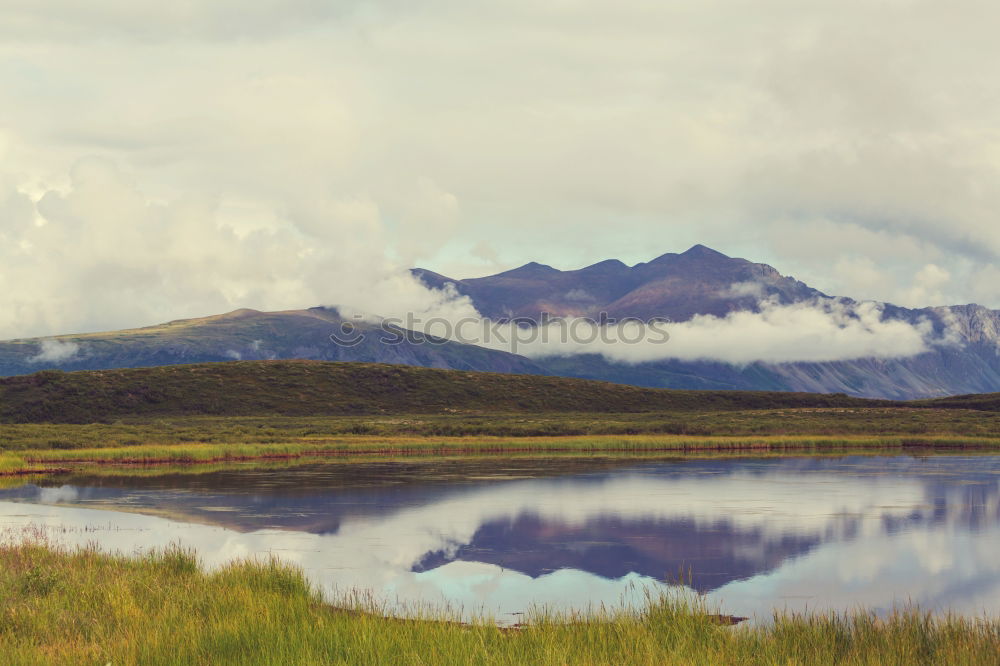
point(79, 606)
point(41, 461)
point(46, 448)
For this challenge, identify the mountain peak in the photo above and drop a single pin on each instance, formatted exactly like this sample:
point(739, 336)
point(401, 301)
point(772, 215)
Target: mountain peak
point(607, 264)
point(703, 251)
point(694, 252)
point(530, 269)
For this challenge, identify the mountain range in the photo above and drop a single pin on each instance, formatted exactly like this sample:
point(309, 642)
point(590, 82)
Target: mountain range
point(675, 286)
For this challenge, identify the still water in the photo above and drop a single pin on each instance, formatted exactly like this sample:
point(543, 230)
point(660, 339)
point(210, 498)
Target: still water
point(497, 537)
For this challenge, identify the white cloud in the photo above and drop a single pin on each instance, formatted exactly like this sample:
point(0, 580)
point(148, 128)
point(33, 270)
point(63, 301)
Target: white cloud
point(810, 331)
point(108, 256)
point(578, 295)
point(984, 283)
point(55, 351)
point(929, 284)
point(746, 289)
point(827, 331)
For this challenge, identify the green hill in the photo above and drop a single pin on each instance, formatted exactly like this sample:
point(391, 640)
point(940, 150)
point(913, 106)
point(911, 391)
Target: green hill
point(308, 388)
point(984, 402)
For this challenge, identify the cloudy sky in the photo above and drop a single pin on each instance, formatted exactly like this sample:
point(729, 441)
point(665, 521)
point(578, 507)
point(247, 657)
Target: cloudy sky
point(164, 160)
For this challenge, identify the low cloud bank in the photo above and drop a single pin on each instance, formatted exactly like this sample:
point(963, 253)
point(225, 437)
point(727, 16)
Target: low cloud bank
point(55, 351)
point(817, 331)
point(804, 332)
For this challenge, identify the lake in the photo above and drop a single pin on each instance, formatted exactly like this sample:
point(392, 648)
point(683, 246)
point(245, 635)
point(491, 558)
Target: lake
point(498, 536)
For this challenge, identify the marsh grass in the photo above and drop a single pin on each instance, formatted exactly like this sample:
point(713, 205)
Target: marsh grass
point(21, 461)
point(79, 606)
point(206, 440)
point(11, 464)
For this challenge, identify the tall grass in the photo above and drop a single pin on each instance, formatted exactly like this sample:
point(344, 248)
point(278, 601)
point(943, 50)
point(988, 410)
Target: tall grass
point(17, 462)
point(77, 607)
point(11, 464)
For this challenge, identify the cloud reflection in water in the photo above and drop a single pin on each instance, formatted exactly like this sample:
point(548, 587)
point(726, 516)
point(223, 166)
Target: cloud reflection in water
point(756, 534)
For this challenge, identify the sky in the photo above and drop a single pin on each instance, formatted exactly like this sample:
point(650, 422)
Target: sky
point(168, 160)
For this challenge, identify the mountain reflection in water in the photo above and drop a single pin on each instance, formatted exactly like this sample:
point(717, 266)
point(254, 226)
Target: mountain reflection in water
point(498, 536)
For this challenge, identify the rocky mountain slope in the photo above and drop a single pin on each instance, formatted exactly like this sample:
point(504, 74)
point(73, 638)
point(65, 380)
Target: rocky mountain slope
point(678, 286)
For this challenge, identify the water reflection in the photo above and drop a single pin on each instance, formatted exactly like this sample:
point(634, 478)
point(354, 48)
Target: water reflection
point(498, 536)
